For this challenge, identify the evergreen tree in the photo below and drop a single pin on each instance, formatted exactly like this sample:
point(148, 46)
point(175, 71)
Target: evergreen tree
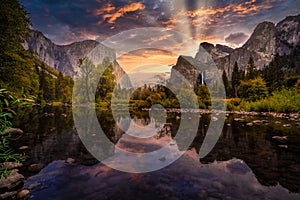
point(227, 85)
point(273, 73)
point(86, 68)
point(17, 68)
point(251, 70)
point(235, 78)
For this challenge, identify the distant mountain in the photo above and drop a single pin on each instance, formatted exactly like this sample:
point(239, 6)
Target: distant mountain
point(266, 41)
point(64, 58)
point(151, 79)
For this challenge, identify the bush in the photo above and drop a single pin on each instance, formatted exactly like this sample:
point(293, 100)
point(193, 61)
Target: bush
point(253, 89)
point(283, 101)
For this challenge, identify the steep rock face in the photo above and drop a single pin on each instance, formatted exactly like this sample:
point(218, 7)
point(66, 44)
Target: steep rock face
point(262, 40)
point(266, 41)
point(261, 46)
point(216, 52)
point(64, 58)
point(185, 72)
point(288, 35)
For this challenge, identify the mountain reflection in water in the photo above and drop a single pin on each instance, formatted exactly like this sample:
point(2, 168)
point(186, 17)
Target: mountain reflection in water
point(245, 163)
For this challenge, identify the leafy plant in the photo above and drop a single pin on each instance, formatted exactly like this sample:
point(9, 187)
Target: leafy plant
point(8, 102)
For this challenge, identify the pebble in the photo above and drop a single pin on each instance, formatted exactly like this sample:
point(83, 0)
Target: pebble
point(257, 122)
point(280, 138)
point(239, 119)
point(287, 125)
point(24, 148)
point(250, 124)
point(283, 146)
point(214, 119)
point(70, 160)
point(64, 115)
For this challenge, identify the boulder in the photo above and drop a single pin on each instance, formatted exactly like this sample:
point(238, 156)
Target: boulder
point(8, 195)
point(13, 182)
point(13, 131)
point(10, 165)
point(23, 194)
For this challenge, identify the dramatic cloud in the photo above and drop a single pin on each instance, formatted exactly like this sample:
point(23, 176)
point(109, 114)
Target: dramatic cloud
point(235, 39)
point(65, 21)
point(112, 17)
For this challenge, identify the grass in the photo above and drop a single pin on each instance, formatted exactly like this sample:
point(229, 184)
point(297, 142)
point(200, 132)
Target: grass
point(7, 102)
point(281, 101)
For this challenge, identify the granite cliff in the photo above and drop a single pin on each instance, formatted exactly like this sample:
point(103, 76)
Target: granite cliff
point(64, 58)
point(267, 40)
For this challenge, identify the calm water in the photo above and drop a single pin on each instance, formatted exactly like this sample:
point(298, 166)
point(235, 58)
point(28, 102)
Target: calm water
point(246, 163)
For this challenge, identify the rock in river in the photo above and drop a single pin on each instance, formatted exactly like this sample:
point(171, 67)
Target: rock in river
point(10, 165)
point(22, 194)
point(13, 131)
point(13, 182)
point(280, 138)
point(35, 167)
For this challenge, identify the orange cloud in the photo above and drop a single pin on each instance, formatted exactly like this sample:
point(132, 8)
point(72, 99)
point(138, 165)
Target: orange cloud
point(105, 8)
point(202, 14)
point(132, 60)
point(170, 23)
point(112, 17)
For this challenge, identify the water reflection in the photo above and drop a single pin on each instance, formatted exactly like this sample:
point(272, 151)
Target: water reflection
point(249, 162)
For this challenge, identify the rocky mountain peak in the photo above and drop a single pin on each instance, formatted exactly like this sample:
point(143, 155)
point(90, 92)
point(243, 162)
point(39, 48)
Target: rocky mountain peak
point(288, 35)
point(64, 58)
point(262, 40)
point(216, 52)
point(266, 41)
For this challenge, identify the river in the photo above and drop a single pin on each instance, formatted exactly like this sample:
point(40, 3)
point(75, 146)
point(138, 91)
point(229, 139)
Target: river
point(246, 163)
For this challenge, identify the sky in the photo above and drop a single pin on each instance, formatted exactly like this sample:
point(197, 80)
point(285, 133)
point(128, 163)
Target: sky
point(228, 22)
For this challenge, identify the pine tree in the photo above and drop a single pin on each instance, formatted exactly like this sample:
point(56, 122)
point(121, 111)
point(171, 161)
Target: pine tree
point(235, 78)
point(251, 70)
point(227, 84)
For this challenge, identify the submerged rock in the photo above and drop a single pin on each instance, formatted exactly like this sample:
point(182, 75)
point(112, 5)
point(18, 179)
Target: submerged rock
point(283, 146)
point(239, 119)
point(250, 124)
point(280, 138)
point(287, 125)
point(36, 167)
